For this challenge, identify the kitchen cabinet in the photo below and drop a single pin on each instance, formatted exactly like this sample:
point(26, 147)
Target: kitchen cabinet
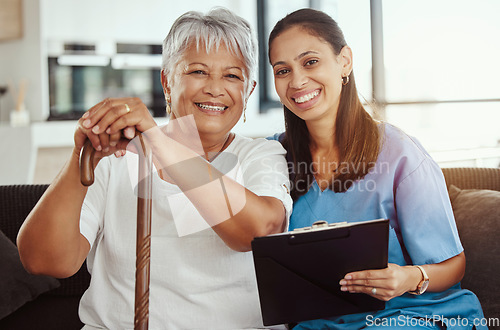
point(128, 21)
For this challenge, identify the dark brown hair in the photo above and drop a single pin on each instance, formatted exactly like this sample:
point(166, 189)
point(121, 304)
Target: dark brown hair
point(356, 132)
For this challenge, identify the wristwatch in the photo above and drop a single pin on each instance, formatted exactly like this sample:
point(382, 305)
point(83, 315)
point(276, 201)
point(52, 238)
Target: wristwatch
point(424, 283)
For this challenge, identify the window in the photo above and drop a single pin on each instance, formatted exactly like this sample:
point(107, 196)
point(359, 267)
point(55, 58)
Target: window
point(442, 75)
point(268, 13)
point(435, 64)
point(441, 50)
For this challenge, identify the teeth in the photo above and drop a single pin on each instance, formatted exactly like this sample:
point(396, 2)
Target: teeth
point(307, 97)
point(210, 107)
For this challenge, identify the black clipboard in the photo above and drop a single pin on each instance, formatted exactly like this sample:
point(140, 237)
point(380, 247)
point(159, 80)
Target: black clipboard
point(298, 272)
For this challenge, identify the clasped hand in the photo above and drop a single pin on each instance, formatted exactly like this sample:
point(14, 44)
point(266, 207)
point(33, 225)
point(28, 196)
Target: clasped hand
point(389, 282)
point(111, 124)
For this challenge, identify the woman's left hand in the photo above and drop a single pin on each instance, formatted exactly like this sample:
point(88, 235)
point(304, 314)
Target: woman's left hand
point(383, 284)
point(119, 117)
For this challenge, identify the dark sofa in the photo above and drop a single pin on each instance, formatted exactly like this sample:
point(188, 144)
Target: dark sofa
point(477, 212)
point(53, 309)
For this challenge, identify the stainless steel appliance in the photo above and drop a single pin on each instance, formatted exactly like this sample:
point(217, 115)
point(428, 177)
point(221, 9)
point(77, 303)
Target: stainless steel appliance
point(81, 76)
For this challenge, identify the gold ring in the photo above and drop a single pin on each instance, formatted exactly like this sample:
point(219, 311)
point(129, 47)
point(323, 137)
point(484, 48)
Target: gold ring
point(127, 107)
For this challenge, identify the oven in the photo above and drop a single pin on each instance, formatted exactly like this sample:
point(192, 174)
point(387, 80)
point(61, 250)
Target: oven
point(81, 76)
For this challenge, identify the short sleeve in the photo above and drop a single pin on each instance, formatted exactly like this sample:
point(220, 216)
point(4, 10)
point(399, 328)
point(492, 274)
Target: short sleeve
point(265, 173)
point(92, 213)
point(425, 216)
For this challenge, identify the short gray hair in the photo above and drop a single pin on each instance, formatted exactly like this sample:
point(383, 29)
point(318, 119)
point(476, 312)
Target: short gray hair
point(218, 25)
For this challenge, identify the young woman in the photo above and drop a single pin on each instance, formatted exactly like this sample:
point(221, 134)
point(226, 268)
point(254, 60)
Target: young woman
point(202, 278)
point(349, 167)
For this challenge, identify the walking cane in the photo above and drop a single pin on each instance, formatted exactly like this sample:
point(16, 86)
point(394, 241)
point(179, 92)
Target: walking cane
point(144, 204)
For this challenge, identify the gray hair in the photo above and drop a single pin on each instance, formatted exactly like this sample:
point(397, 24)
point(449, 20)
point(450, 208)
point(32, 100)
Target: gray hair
point(218, 25)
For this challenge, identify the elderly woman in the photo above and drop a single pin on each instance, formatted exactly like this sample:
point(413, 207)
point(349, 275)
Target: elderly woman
point(200, 278)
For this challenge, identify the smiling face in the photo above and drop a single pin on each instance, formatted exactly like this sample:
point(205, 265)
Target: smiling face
point(308, 74)
point(211, 87)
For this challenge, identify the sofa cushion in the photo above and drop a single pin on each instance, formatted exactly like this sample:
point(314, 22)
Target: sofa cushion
point(477, 213)
point(16, 284)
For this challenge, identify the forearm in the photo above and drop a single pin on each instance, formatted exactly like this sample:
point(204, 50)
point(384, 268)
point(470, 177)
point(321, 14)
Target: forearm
point(444, 274)
point(396, 280)
point(49, 240)
point(260, 216)
point(441, 276)
point(236, 214)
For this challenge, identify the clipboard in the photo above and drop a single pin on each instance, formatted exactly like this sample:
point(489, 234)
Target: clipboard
point(298, 272)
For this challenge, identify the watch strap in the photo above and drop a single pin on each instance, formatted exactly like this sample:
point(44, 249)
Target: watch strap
point(422, 285)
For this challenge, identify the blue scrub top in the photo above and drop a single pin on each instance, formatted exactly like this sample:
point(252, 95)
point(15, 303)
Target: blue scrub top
point(407, 187)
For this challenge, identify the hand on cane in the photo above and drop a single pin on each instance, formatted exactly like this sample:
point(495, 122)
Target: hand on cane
point(111, 124)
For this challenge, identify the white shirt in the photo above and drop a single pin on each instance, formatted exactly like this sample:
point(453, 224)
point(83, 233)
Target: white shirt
point(197, 282)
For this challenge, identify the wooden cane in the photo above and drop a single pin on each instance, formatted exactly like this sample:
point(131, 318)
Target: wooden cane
point(144, 210)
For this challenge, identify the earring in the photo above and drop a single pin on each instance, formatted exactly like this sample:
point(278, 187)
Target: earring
point(346, 80)
point(244, 114)
point(169, 105)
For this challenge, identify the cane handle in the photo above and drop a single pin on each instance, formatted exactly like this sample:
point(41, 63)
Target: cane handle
point(87, 164)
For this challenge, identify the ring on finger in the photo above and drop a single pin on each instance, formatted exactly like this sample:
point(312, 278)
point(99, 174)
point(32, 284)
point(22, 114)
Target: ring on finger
point(374, 291)
point(127, 108)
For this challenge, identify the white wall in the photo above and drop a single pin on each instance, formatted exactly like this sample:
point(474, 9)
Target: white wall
point(22, 59)
point(145, 21)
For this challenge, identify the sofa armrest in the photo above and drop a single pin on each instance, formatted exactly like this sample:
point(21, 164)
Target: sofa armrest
point(16, 202)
